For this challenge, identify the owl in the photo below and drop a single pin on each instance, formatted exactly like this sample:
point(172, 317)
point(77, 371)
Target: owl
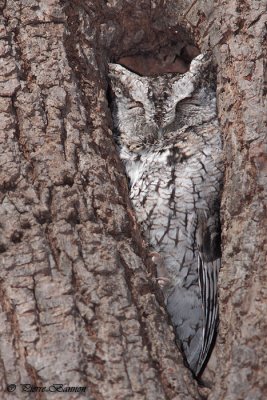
point(169, 140)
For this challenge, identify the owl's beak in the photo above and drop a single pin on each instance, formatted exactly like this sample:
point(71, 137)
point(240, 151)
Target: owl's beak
point(160, 133)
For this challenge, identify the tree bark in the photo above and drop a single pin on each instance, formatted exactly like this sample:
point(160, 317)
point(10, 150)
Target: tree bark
point(78, 302)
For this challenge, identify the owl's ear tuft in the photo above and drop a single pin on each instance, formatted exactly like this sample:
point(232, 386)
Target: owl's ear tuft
point(118, 71)
point(121, 74)
point(127, 81)
point(115, 68)
point(200, 63)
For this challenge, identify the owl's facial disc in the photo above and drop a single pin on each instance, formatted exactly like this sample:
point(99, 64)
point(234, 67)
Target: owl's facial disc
point(147, 109)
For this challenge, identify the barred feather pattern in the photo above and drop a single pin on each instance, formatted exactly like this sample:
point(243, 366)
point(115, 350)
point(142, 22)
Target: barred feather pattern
point(169, 139)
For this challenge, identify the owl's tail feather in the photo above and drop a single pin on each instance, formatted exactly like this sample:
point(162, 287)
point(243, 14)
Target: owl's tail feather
point(208, 276)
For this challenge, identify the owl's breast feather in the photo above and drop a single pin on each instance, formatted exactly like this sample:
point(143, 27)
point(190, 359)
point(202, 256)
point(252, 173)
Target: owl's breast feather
point(144, 164)
point(134, 170)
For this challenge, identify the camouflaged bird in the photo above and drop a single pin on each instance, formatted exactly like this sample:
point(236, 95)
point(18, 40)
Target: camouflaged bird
point(169, 139)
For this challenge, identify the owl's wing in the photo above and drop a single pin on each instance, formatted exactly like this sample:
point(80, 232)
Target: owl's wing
point(208, 276)
point(209, 262)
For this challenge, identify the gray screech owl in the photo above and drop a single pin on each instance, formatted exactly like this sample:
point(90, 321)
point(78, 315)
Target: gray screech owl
point(169, 140)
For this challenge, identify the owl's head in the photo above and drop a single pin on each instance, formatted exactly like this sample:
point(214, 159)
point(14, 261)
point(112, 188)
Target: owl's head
point(144, 109)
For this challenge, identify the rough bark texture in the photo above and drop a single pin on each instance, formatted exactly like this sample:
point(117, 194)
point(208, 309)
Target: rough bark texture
point(77, 303)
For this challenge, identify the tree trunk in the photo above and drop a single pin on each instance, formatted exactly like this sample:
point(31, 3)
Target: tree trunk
point(78, 303)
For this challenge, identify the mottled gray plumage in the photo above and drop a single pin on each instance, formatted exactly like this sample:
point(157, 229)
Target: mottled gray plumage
point(169, 140)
